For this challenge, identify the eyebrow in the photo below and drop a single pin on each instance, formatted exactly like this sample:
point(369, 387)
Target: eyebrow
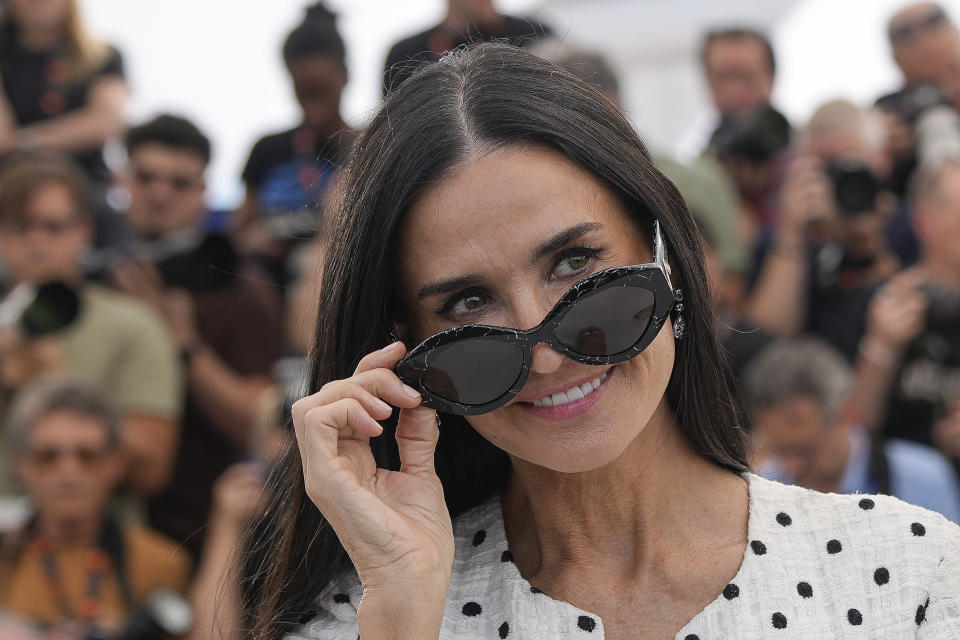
point(546, 248)
point(563, 238)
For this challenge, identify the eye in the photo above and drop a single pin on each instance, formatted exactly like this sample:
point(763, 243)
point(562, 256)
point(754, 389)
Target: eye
point(465, 303)
point(573, 262)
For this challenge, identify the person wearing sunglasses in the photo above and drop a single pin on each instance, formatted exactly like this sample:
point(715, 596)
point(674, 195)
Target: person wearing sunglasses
point(73, 567)
point(551, 450)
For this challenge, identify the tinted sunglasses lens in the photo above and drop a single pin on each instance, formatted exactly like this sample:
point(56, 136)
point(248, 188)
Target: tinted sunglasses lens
point(473, 371)
point(606, 322)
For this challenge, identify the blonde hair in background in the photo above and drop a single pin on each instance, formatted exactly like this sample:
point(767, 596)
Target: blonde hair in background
point(85, 53)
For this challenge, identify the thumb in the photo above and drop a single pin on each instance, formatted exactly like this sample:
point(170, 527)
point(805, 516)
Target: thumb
point(417, 435)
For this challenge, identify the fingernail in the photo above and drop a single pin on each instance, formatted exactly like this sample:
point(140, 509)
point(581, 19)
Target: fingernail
point(410, 391)
point(389, 347)
point(383, 405)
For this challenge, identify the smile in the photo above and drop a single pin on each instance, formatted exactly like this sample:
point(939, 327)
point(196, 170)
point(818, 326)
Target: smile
point(577, 392)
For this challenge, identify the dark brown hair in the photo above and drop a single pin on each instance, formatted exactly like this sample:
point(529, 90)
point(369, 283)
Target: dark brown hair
point(23, 175)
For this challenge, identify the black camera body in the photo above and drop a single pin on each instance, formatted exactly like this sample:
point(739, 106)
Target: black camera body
point(943, 308)
point(756, 136)
point(855, 187)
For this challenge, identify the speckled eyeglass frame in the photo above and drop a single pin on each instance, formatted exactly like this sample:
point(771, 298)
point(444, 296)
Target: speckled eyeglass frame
point(606, 318)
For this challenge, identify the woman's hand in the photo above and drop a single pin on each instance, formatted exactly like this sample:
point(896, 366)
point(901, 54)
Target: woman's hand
point(394, 524)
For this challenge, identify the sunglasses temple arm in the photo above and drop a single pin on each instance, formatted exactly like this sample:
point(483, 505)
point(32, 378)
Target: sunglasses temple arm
point(660, 252)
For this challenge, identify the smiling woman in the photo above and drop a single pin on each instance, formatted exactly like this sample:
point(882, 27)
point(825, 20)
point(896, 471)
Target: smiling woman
point(586, 473)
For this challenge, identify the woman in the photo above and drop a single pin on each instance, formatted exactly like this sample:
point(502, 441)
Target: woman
point(62, 89)
point(291, 171)
point(592, 494)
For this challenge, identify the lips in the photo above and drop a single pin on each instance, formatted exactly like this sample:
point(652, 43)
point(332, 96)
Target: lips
point(572, 394)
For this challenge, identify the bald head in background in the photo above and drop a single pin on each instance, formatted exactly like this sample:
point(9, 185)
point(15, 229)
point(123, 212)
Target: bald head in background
point(925, 42)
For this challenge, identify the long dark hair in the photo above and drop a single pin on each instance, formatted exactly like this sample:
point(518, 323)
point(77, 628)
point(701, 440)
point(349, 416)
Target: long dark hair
point(474, 99)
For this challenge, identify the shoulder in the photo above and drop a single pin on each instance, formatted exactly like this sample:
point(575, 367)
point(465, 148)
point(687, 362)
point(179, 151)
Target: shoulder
point(856, 527)
point(410, 46)
point(108, 306)
point(155, 561)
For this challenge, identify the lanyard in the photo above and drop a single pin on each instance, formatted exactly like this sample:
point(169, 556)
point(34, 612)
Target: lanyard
point(97, 568)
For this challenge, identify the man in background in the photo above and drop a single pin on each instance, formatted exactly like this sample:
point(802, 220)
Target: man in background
point(466, 21)
point(224, 316)
point(74, 568)
point(908, 369)
point(797, 393)
point(115, 342)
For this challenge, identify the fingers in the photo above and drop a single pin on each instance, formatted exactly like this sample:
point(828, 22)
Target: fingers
point(320, 429)
point(417, 436)
point(386, 358)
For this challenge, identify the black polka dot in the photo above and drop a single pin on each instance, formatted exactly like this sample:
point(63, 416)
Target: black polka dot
point(779, 621)
point(866, 504)
point(535, 590)
point(834, 546)
point(922, 612)
point(307, 617)
point(504, 630)
point(784, 519)
point(471, 609)
point(918, 529)
point(731, 591)
point(881, 576)
point(479, 537)
point(691, 636)
point(804, 589)
point(758, 547)
point(341, 598)
point(506, 556)
point(586, 623)
point(854, 617)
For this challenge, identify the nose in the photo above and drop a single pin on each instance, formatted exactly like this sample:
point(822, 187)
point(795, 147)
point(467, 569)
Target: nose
point(545, 359)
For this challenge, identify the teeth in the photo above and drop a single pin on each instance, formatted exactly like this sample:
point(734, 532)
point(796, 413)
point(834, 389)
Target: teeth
point(570, 395)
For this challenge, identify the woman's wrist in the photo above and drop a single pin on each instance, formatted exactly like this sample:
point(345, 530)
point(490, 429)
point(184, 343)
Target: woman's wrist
point(402, 612)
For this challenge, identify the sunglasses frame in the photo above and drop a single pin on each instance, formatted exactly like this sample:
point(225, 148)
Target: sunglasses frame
point(653, 276)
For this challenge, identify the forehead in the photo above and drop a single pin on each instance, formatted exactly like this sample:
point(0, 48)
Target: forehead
point(66, 427)
point(164, 157)
point(494, 209)
point(736, 50)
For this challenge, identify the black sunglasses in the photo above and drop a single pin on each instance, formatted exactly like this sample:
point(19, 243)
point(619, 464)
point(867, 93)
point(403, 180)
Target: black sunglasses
point(607, 318)
point(905, 31)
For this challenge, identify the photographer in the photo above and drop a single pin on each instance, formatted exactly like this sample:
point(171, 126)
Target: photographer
point(114, 341)
point(820, 267)
point(224, 318)
point(751, 137)
point(908, 370)
point(74, 569)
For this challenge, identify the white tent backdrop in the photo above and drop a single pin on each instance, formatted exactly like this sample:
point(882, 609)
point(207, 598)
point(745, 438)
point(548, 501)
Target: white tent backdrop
point(218, 61)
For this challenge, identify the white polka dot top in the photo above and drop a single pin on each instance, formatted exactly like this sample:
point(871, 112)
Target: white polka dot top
point(815, 566)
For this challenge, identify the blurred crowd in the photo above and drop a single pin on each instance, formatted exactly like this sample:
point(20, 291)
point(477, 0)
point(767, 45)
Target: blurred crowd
point(150, 348)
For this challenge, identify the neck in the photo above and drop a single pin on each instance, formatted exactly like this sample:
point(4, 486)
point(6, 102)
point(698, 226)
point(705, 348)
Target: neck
point(624, 518)
point(38, 38)
point(73, 531)
point(461, 21)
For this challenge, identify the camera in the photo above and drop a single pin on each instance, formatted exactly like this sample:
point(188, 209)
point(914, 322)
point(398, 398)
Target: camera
point(39, 310)
point(756, 136)
point(855, 187)
point(943, 308)
point(912, 103)
point(193, 260)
